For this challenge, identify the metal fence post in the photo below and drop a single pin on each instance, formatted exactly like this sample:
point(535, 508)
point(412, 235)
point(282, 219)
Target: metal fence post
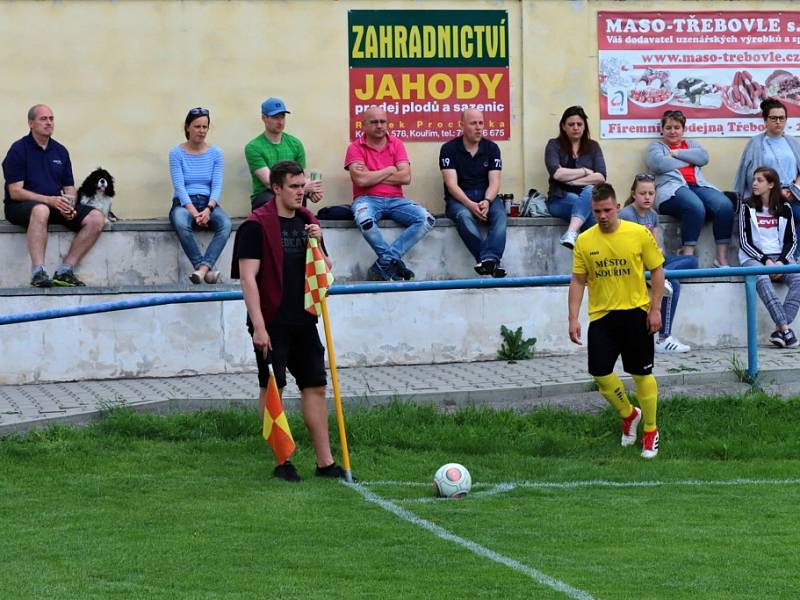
point(752, 329)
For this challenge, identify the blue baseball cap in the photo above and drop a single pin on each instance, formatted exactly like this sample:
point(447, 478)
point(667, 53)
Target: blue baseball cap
point(272, 107)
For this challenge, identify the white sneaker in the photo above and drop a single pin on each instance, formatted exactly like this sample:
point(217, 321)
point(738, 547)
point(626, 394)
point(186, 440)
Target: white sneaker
point(671, 345)
point(568, 239)
point(629, 426)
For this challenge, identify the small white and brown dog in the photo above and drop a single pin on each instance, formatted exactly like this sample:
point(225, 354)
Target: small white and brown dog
point(97, 191)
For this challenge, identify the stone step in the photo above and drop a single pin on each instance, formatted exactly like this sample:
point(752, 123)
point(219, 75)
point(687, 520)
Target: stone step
point(147, 252)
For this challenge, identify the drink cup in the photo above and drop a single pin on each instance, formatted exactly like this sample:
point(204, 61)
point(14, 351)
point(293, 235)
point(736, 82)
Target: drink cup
point(514, 210)
point(69, 198)
point(315, 175)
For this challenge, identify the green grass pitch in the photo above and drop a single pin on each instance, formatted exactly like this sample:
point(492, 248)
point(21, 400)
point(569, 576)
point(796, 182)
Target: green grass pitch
point(184, 506)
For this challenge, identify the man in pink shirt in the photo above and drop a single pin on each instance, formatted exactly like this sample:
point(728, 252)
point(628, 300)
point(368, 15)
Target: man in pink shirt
point(379, 168)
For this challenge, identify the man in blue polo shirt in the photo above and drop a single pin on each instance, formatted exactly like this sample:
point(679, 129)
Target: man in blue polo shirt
point(40, 189)
point(471, 166)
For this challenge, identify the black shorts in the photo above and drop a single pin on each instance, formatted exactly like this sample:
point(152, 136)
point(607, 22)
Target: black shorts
point(18, 212)
point(621, 332)
point(296, 347)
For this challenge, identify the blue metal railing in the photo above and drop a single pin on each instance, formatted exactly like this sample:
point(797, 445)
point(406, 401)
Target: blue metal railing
point(749, 274)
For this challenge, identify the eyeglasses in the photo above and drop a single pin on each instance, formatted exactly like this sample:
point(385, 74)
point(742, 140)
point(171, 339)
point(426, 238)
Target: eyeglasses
point(644, 177)
point(199, 111)
point(777, 118)
point(673, 113)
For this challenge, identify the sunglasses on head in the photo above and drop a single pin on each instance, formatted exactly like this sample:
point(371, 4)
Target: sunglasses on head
point(673, 113)
point(199, 111)
point(644, 177)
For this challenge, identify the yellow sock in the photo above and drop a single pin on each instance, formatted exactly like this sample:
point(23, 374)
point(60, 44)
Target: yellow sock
point(647, 393)
point(613, 391)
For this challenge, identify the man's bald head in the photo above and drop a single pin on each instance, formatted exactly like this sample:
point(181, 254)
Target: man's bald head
point(375, 123)
point(472, 125)
point(470, 114)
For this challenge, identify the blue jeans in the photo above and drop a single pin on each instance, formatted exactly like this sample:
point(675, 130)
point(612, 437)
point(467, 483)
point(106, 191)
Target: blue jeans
point(183, 222)
point(368, 210)
point(573, 205)
point(670, 305)
point(691, 203)
point(468, 226)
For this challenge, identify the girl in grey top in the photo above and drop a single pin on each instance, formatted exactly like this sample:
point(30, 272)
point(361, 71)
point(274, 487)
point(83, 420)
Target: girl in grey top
point(639, 209)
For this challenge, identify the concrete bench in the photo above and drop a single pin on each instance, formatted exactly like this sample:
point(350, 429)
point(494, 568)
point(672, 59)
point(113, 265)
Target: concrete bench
point(147, 252)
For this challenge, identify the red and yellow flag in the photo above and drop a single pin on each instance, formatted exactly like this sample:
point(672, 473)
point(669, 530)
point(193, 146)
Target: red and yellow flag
point(318, 277)
point(276, 428)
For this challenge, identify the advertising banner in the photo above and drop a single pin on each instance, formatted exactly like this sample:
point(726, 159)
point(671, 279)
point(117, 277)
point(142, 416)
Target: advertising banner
point(424, 67)
point(715, 67)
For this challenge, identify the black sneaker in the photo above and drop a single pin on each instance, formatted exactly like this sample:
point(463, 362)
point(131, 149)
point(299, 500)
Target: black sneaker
point(287, 472)
point(776, 339)
point(791, 339)
point(377, 272)
point(41, 279)
point(332, 470)
point(499, 273)
point(402, 272)
point(67, 279)
point(486, 267)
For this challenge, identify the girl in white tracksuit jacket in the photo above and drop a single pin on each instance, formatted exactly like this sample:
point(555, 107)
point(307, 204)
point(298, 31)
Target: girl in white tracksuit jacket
point(767, 237)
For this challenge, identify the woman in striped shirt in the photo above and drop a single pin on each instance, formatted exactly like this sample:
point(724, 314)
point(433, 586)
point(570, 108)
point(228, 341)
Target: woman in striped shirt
point(196, 170)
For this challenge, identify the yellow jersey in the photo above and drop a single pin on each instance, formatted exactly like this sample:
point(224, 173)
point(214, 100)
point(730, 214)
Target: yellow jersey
point(614, 265)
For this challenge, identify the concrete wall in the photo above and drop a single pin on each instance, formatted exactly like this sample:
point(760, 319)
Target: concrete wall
point(121, 75)
point(147, 253)
point(373, 329)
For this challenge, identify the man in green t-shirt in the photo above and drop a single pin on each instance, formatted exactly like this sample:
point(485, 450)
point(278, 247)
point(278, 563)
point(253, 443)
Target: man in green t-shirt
point(272, 146)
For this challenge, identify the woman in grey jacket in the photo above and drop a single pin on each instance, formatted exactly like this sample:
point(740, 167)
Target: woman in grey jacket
point(775, 150)
point(683, 192)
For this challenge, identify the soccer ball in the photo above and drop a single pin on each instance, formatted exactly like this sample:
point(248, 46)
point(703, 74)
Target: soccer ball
point(452, 481)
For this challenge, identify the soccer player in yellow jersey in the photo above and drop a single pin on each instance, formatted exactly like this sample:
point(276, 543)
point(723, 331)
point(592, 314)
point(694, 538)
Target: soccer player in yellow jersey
point(610, 258)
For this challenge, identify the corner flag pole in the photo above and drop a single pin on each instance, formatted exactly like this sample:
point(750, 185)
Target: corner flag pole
point(348, 474)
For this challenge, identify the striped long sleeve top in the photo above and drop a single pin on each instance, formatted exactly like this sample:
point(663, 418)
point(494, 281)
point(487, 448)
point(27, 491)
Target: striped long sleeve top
point(196, 174)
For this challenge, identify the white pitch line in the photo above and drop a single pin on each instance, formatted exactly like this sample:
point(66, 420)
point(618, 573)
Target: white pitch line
point(400, 483)
point(473, 547)
point(500, 488)
point(569, 485)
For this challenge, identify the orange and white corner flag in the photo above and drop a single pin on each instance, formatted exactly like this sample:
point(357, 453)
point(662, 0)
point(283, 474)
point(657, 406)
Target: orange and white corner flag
point(276, 428)
point(318, 277)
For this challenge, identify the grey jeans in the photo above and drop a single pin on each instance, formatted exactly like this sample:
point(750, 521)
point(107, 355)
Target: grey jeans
point(782, 313)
